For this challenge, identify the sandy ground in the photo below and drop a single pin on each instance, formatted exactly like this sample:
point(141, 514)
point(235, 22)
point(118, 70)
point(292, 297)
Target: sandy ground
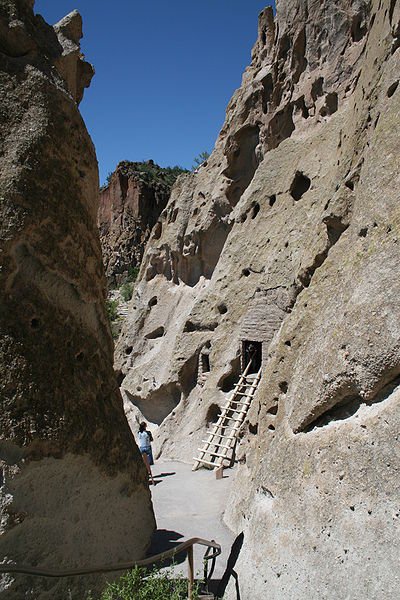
point(190, 504)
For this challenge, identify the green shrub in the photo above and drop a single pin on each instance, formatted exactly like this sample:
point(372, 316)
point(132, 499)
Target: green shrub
point(140, 584)
point(133, 272)
point(126, 291)
point(200, 159)
point(161, 178)
point(112, 309)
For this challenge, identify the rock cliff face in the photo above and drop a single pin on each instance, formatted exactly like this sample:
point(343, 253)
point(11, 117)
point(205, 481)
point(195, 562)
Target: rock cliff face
point(289, 236)
point(129, 208)
point(73, 491)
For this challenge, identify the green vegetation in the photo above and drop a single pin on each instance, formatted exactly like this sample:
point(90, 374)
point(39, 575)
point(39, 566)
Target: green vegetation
point(133, 272)
point(141, 584)
point(200, 159)
point(149, 172)
point(112, 309)
point(114, 318)
point(126, 291)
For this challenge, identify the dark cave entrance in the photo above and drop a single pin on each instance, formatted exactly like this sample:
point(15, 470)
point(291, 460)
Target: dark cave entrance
point(205, 363)
point(252, 352)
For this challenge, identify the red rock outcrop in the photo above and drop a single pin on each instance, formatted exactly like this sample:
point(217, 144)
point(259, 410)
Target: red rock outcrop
point(73, 487)
point(130, 206)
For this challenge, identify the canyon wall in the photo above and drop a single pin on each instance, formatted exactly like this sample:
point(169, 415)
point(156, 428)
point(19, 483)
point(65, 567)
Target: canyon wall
point(290, 230)
point(73, 489)
point(129, 207)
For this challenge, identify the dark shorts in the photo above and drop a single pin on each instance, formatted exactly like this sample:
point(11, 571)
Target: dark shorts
point(149, 453)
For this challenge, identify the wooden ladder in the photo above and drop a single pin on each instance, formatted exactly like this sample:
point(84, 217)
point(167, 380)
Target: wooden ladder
point(221, 442)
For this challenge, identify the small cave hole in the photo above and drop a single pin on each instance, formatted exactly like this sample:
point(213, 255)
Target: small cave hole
point(363, 232)
point(273, 410)
point(349, 184)
point(157, 230)
point(272, 200)
point(152, 302)
point(268, 88)
point(128, 350)
point(330, 106)
point(246, 272)
point(35, 323)
point(317, 88)
point(253, 428)
point(392, 88)
point(283, 386)
point(213, 413)
point(156, 333)
point(255, 210)
point(288, 343)
point(271, 428)
point(222, 309)
point(300, 185)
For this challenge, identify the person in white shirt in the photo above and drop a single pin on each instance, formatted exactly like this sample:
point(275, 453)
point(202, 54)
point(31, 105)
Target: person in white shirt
point(145, 439)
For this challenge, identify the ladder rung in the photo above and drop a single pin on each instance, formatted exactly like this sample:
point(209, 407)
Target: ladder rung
point(218, 444)
point(241, 406)
point(222, 426)
point(228, 437)
point(243, 394)
point(219, 455)
point(206, 462)
point(233, 419)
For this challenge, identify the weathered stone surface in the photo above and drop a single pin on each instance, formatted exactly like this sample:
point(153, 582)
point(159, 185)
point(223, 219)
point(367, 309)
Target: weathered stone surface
point(129, 208)
point(296, 209)
point(73, 488)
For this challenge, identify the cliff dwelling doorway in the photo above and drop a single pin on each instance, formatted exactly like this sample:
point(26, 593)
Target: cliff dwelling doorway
point(252, 351)
point(205, 363)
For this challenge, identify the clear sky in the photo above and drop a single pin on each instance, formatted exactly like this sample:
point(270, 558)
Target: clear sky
point(165, 71)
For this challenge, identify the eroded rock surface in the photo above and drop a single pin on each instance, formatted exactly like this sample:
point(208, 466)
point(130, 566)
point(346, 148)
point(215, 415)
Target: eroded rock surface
point(291, 230)
point(129, 208)
point(73, 488)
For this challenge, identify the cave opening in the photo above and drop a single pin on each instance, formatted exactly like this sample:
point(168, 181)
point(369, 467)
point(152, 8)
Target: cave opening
point(252, 353)
point(205, 363)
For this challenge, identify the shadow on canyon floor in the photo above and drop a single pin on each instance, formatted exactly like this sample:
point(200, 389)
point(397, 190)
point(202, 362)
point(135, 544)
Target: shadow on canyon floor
point(229, 571)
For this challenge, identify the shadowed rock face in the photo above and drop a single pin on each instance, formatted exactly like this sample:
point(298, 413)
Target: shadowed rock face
point(73, 488)
point(291, 230)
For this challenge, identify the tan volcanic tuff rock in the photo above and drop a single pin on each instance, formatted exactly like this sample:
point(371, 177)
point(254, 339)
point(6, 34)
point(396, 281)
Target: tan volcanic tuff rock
point(289, 237)
point(73, 490)
point(129, 207)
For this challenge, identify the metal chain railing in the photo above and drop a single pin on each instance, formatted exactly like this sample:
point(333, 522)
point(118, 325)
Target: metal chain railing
point(182, 547)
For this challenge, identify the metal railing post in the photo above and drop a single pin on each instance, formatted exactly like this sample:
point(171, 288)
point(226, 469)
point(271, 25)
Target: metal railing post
point(190, 572)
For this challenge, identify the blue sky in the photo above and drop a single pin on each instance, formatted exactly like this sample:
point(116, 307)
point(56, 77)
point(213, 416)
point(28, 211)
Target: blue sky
point(165, 71)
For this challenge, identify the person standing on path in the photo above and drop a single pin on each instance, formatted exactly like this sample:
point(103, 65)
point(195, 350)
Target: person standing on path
point(145, 439)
